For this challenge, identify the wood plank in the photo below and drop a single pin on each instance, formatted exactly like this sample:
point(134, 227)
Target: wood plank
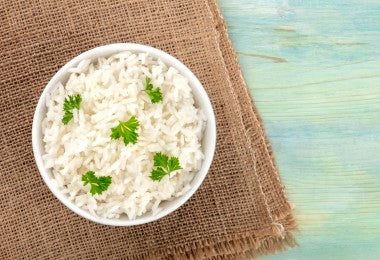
point(313, 69)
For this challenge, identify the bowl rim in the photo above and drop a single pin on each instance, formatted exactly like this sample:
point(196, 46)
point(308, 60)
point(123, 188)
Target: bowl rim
point(91, 54)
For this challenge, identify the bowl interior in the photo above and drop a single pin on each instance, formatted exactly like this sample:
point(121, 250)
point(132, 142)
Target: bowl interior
point(201, 100)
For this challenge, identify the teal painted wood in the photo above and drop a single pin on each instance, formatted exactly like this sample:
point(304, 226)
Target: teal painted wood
point(313, 68)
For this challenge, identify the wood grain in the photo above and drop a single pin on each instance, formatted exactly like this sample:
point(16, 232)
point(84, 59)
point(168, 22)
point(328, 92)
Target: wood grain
point(313, 68)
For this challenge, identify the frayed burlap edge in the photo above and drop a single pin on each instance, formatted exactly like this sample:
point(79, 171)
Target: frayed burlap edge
point(245, 246)
point(283, 219)
point(250, 109)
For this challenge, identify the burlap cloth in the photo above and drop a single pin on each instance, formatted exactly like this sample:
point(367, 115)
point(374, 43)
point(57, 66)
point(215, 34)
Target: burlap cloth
point(240, 209)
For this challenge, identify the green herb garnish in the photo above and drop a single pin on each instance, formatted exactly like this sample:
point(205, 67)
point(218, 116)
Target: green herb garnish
point(154, 94)
point(164, 166)
point(70, 103)
point(127, 130)
point(98, 184)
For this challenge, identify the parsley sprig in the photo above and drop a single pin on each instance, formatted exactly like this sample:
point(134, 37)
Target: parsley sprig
point(98, 184)
point(154, 94)
point(70, 103)
point(164, 166)
point(127, 130)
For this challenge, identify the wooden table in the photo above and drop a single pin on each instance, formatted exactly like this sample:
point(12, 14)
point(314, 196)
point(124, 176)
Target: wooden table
point(313, 68)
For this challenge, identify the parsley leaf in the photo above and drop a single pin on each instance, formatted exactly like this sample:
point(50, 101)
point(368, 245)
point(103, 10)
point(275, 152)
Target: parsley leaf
point(70, 103)
point(98, 184)
point(164, 166)
point(154, 94)
point(157, 174)
point(127, 130)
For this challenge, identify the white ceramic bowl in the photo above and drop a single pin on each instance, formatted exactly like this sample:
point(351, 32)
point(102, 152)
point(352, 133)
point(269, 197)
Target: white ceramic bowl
point(201, 99)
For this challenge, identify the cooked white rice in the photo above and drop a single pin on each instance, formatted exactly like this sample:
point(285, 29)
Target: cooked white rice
point(112, 90)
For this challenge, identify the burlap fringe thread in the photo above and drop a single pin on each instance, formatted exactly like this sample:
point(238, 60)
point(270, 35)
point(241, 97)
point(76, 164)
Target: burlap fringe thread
point(249, 246)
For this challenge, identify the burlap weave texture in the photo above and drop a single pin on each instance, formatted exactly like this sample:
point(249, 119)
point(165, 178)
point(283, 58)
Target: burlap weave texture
point(240, 208)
